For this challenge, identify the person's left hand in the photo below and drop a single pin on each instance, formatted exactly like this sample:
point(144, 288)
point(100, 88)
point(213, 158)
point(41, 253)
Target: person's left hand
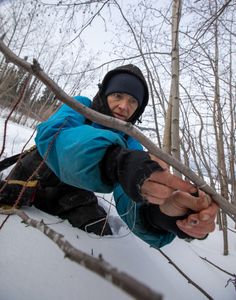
point(199, 223)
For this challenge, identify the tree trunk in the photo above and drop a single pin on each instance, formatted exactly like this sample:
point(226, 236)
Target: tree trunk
point(219, 137)
point(171, 135)
point(232, 140)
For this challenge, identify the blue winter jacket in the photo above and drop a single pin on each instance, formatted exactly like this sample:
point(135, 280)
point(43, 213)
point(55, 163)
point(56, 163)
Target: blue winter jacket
point(74, 150)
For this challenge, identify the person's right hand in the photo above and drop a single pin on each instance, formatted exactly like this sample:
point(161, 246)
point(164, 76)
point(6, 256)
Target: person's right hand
point(161, 184)
point(180, 203)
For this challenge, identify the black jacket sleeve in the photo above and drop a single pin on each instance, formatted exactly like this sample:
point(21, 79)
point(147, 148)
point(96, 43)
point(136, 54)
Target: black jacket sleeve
point(130, 168)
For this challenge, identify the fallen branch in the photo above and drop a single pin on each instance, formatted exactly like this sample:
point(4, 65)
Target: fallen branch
point(127, 128)
point(231, 280)
point(123, 281)
point(184, 275)
point(219, 268)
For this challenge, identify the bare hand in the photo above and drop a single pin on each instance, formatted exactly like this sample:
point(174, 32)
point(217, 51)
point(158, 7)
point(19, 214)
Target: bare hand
point(161, 184)
point(180, 203)
point(196, 224)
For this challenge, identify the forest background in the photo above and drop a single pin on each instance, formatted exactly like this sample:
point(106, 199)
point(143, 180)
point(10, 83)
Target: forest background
point(186, 50)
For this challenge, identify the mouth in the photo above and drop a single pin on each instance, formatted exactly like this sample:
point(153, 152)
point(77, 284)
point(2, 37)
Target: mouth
point(118, 116)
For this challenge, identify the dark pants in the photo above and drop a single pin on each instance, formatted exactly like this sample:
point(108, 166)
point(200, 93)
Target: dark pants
point(80, 207)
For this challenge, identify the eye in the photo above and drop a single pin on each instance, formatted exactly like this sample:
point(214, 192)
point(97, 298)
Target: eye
point(133, 102)
point(117, 96)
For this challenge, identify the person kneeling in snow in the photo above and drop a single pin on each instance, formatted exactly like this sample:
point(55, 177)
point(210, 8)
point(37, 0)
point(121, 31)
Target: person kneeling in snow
point(75, 157)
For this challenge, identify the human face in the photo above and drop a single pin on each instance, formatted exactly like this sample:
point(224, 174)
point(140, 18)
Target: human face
point(122, 105)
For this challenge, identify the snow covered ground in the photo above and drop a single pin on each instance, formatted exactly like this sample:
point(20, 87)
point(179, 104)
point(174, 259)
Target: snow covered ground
point(33, 267)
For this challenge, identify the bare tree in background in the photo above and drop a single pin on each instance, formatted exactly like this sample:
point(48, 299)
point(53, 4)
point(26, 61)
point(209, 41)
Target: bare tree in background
point(29, 28)
point(171, 142)
point(219, 134)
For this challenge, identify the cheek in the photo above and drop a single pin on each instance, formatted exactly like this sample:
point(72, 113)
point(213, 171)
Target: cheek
point(133, 109)
point(110, 104)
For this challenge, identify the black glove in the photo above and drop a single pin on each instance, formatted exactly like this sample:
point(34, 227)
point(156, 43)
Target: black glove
point(155, 220)
point(130, 168)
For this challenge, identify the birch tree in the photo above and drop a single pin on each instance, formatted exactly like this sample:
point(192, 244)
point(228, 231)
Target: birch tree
point(171, 143)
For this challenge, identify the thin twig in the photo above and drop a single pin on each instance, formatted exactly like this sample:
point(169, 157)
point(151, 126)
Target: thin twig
point(184, 275)
point(39, 166)
point(122, 280)
point(89, 22)
point(230, 229)
point(21, 96)
point(212, 19)
point(4, 221)
point(219, 268)
point(24, 187)
point(121, 60)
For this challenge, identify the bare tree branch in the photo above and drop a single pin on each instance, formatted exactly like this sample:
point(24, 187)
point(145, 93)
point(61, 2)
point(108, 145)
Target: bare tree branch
point(119, 60)
point(122, 280)
point(59, 3)
point(185, 275)
point(219, 268)
point(89, 22)
point(212, 19)
point(21, 96)
point(111, 122)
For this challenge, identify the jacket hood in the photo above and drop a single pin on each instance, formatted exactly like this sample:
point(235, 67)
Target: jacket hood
point(100, 101)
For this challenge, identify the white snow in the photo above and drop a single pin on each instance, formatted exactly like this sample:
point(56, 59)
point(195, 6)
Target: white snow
point(33, 267)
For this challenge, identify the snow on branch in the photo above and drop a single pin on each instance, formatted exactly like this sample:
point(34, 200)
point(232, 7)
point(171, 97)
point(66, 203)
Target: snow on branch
point(122, 280)
point(111, 122)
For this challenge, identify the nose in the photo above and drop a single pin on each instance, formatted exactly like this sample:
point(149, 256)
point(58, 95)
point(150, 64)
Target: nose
point(123, 105)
